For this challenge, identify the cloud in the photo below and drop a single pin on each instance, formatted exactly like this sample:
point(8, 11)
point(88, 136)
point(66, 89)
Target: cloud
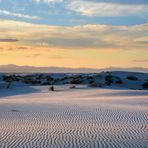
point(8, 40)
point(142, 40)
point(8, 13)
point(145, 60)
point(16, 48)
point(48, 1)
point(23, 48)
point(89, 8)
point(33, 55)
point(121, 1)
point(97, 37)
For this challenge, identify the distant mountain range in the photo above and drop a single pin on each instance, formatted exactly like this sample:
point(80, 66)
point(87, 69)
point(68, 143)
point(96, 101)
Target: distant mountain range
point(30, 69)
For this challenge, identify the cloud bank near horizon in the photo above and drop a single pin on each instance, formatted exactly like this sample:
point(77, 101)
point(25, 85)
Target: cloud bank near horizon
point(97, 37)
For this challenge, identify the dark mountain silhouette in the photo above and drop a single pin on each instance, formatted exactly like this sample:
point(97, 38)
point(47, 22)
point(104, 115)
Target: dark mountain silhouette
point(31, 69)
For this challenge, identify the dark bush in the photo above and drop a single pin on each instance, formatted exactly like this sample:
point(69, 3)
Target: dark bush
point(30, 81)
point(133, 78)
point(49, 78)
point(145, 85)
point(94, 84)
point(39, 77)
point(91, 81)
point(46, 83)
point(76, 77)
point(119, 82)
point(8, 80)
point(109, 80)
point(65, 78)
point(76, 81)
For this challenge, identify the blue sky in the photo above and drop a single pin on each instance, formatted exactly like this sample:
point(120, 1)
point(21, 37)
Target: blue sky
point(76, 12)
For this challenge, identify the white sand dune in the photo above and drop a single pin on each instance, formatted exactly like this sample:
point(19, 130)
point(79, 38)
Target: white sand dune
point(75, 118)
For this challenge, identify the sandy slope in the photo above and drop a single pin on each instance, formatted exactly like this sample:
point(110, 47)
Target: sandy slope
point(74, 118)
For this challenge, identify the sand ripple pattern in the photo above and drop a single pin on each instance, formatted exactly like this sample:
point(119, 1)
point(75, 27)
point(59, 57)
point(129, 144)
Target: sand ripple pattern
point(74, 127)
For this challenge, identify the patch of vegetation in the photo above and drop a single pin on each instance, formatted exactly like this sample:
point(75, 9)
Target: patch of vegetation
point(133, 78)
point(46, 83)
point(40, 76)
point(49, 78)
point(145, 85)
point(89, 78)
point(8, 80)
point(76, 81)
point(119, 82)
point(76, 76)
point(65, 78)
point(93, 83)
point(109, 80)
point(31, 81)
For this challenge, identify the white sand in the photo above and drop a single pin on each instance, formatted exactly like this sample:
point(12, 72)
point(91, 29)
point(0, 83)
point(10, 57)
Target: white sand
point(74, 118)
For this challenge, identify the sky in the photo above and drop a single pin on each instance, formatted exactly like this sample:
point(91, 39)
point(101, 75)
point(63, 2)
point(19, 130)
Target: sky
point(74, 33)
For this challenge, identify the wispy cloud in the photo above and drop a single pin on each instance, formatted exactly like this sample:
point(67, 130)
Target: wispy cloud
point(23, 48)
point(120, 1)
point(8, 13)
point(48, 1)
point(98, 37)
point(33, 55)
point(145, 60)
point(8, 40)
point(89, 8)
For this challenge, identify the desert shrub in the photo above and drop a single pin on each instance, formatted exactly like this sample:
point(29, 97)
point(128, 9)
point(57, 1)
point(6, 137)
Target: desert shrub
point(46, 83)
point(119, 82)
point(133, 78)
point(8, 80)
point(91, 81)
point(27, 81)
point(40, 76)
point(64, 78)
point(30, 81)
point(75, 81)
point(145, 85)
point(109, 80)
point(49, 78)
point(76, 77)
point(16, 79)
point(94, 84)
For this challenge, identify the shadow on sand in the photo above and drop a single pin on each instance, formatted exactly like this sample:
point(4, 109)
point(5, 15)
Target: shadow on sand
point(4, 92)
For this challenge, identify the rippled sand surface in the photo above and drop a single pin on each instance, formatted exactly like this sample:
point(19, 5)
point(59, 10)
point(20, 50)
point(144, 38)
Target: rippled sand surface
point(75, 118)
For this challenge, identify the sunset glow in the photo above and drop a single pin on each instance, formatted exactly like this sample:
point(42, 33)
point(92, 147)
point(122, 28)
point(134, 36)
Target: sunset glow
point(93, 38)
